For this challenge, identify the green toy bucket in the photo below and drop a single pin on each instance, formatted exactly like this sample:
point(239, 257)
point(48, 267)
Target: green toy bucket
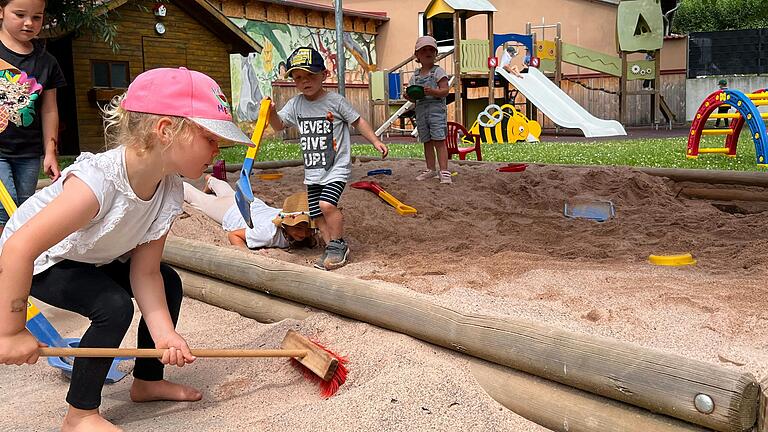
point(415, 92)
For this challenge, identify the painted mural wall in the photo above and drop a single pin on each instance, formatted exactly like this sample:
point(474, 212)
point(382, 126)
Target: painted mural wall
point(252, 76)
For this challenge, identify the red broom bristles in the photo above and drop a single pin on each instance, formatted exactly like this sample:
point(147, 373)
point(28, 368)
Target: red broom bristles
point(330, 387)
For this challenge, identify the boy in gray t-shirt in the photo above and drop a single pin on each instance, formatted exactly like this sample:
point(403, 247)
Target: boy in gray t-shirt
point(323, 120)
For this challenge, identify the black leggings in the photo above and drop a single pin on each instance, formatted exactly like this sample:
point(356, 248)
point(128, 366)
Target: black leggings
point(103, 295)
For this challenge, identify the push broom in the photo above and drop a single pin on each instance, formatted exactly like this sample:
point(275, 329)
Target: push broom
point(314, 359)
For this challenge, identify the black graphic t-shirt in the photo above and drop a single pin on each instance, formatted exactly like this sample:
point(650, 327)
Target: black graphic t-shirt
point(324, 135)
point(21, 98)
point(317, 143)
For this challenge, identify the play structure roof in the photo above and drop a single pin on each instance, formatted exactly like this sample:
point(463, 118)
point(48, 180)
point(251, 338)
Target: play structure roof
point(437, 7)
point(375, 15)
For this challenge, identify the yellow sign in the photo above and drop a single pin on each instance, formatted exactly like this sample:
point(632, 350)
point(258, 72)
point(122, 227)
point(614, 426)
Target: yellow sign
point(546, 49)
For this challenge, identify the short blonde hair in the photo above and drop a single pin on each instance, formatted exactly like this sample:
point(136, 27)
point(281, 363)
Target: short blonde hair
point(135, 129)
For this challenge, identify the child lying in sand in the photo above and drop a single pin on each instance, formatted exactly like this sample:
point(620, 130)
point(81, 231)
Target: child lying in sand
point(272, 227)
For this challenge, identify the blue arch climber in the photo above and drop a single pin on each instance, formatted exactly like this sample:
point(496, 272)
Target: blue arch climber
point(751, 116)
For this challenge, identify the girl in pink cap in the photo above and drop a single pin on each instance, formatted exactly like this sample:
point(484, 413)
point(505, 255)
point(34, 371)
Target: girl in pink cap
point(93, 239)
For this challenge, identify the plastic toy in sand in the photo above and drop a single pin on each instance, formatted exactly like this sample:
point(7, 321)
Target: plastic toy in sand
point(374, 187)
point(513, 167)
point(270, 175)
point(43, 331)
point(672, 260)
point(599, 210)
point(380, 171)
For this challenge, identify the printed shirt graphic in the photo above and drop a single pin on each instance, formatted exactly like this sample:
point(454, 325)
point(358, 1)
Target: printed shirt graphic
point(18, 94)
point(317, 143)
point(324, 131)
point(23, 79)
point(221, 98)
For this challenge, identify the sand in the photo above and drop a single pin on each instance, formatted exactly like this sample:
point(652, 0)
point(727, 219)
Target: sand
point(491, 243)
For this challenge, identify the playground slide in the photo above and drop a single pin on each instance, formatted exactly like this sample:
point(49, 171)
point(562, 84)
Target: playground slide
point(407, 106)
point(558, 106)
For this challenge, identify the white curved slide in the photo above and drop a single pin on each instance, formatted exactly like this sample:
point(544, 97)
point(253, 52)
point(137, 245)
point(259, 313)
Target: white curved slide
point(558, 106)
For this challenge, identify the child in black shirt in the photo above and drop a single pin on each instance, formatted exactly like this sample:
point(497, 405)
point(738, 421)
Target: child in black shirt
point(29, 118)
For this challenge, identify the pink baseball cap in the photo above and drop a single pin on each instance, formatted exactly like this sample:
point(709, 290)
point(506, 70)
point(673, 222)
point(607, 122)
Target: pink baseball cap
point(184, 93)
point(425, 41)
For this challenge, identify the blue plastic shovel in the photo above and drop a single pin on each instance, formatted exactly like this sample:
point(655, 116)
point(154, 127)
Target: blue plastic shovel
point(243, 190)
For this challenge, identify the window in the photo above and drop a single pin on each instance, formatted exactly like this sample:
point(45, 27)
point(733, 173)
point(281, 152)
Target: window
point(442, 30)
point(110, 74)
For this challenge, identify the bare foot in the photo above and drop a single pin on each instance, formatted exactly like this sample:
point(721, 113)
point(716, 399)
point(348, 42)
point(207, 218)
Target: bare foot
point(148, 391)
point(513, 70)
point(206, 188)
point(86, 421)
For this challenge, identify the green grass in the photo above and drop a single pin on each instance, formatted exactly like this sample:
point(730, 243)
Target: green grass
point(653, 152)
point(647, 152)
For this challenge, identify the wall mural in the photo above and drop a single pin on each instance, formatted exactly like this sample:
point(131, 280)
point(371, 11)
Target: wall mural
point(252, 76)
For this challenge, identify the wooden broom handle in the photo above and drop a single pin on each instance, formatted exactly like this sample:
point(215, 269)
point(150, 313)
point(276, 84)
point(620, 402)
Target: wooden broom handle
point(157, 353)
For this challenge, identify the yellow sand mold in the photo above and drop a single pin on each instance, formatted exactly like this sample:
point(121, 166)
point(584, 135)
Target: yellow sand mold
point(672, 260)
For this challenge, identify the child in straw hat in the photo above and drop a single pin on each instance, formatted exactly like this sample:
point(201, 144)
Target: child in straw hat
point(272, 227)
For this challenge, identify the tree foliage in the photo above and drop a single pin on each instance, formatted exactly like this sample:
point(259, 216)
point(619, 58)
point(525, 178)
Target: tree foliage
point(712, 15)
point(89, 16)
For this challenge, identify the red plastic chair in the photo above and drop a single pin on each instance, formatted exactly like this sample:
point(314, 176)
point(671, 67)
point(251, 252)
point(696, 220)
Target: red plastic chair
point(457, 138)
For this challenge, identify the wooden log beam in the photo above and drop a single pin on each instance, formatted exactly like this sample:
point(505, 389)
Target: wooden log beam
point(762, 410)
point(746, 178)
point(552, 405)
point(724, 194)
point(256, 305)
point(658, 381)
point(563, 408)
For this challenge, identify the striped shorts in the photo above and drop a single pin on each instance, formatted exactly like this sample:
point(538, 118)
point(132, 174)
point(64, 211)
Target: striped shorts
point(330, 193)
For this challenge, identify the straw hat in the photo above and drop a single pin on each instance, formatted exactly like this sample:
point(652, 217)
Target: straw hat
point(293, 204)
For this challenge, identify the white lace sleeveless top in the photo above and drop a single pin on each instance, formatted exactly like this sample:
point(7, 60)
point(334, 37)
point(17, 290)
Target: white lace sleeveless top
point(123, 222)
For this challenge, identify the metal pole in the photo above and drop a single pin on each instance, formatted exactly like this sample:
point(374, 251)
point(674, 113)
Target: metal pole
point(341, 64)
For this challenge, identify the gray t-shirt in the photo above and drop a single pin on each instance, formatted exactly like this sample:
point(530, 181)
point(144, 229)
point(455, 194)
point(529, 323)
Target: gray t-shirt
point(323, 135)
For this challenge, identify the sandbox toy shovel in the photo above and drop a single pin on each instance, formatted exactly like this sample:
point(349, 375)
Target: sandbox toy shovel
point(243, 191)
point(374, 187)
point(44, 331)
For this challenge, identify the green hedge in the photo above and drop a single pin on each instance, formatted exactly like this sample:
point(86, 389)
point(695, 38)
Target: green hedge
point(713, 15)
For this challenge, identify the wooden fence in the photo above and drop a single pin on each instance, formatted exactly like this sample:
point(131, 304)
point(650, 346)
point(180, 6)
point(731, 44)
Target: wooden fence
point(357, 94)
point(606, 105)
